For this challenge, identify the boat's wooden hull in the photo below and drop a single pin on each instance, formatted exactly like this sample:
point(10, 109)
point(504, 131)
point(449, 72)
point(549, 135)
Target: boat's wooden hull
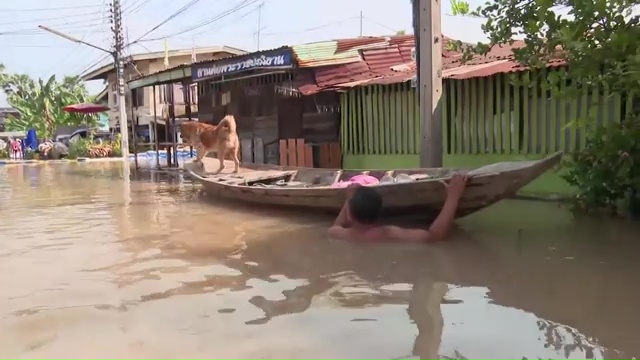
point(486, 186)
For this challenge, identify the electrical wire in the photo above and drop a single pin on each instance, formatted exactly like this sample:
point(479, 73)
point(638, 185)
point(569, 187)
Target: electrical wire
point(137, 8)
point(380, 24)
point(234, 20)
point(94, 64)
point(50, 9)
point(80, 47)
point(319, 27)
point(242, 5)
point(67, 27)
point(171, 17)
point(49, 19)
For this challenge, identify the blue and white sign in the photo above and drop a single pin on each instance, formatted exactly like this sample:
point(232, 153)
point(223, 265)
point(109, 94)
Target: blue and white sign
point(275, 59)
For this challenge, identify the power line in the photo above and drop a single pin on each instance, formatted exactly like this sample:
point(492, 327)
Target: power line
point(209, 29)
point(332, 23)
point(49, 19)
point(380, 24)
point(94, 64)
point(92, 23)
point(238, 7)
point(51, 9)
point(171, 17)
point(137, 8)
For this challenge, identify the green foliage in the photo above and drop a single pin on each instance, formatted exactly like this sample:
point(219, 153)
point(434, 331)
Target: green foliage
point(87, 148)
point(607, 171)
point(40, 102)
point(598, 40)
point(117, 146)
point(4, 154)
point(79, 148)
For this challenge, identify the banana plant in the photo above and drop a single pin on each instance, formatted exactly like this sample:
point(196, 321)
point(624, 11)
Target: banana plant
point(40, 103)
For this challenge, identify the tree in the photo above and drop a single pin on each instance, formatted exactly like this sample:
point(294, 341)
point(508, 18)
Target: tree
point(598, 40)
point(40, 102)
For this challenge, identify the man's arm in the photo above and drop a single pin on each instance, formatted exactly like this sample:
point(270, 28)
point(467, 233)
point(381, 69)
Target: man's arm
point(440, 228)
point(339, 228)
point(343, 219)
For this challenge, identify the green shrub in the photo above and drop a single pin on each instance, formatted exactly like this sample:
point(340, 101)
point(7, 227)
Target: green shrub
point(79, 148)
point(4, 154)
point(116, 145)
point(606, 172)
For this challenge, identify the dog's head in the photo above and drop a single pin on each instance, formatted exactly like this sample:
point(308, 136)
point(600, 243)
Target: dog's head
point(188, 130)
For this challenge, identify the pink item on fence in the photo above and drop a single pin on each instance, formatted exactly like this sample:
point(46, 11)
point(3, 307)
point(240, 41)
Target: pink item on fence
point(364, 180)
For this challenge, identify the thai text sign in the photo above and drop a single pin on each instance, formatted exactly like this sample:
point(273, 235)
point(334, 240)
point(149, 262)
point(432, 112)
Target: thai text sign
point(276, 59)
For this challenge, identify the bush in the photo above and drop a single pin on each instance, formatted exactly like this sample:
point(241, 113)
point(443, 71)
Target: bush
point(606, 172)
point(79, 148)
point(4, 154)
point(116, 145)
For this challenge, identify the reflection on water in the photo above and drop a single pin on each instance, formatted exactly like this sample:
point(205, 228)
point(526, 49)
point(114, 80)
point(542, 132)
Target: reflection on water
point(93, 266)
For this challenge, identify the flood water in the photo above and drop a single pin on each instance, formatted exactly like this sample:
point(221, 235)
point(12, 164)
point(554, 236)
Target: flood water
point(95, 266)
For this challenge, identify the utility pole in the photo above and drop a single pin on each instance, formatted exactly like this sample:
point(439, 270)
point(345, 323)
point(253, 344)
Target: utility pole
point(429, 56)
point(361, 18)
point(259, 25)
point(116, 12)
point(116, 19)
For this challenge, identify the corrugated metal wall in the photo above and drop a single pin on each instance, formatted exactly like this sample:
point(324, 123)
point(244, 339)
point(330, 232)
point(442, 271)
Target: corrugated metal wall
point(480, 116)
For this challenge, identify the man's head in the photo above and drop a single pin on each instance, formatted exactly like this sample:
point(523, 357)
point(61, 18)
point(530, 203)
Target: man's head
point(365, 205)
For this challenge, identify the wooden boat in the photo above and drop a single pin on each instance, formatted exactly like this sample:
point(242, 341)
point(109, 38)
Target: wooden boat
point(314, 189)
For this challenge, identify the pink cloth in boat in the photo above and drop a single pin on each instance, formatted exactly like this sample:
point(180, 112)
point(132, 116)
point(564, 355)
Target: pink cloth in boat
point(363, 180)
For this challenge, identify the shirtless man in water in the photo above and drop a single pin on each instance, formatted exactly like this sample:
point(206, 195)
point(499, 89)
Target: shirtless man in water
point(360, 212)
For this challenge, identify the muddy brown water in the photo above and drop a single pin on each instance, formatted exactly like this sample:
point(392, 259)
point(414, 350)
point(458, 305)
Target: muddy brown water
point(95, 266)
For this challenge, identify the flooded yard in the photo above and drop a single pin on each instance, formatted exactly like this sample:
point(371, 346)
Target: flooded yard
point(94, 266)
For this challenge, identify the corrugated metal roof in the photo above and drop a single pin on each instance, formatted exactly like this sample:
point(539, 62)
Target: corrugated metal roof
point(381, 59)
point(360, 42)
point(323, 54)
point(331, 75)
point(460, 72)
point(387, 66)
point(342, 51)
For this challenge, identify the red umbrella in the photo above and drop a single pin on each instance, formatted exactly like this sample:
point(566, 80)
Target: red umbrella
point(85, 108)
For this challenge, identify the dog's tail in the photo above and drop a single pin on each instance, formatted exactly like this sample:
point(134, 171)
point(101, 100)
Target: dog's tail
point(229, 122)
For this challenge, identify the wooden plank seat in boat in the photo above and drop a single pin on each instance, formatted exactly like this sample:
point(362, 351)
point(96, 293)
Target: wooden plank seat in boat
point(251, 177)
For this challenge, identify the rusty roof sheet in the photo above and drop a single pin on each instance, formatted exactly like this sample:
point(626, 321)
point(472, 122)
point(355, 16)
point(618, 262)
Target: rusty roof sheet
point(388, 66)
point(460, 72)
point(360, 42)
point(330, 75)
point(343, 51)
point(382, 59)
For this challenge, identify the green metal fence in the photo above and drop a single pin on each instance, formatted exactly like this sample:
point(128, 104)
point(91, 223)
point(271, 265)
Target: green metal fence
point(480, 116)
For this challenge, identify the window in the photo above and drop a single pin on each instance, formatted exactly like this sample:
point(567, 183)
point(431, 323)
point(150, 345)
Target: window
point(138, 97)
point(178, 95)
point(114, 99)
point(194, 93)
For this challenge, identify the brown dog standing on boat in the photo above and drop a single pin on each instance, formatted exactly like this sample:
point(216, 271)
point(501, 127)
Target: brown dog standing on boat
point(189, 132)
point(221, 139)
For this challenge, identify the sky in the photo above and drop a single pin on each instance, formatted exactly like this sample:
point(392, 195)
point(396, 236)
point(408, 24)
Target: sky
point(29, 50)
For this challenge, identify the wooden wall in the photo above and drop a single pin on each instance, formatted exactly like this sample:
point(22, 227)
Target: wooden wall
point(263, 113)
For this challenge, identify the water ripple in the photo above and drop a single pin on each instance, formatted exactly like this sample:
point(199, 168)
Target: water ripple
point(158, 270)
